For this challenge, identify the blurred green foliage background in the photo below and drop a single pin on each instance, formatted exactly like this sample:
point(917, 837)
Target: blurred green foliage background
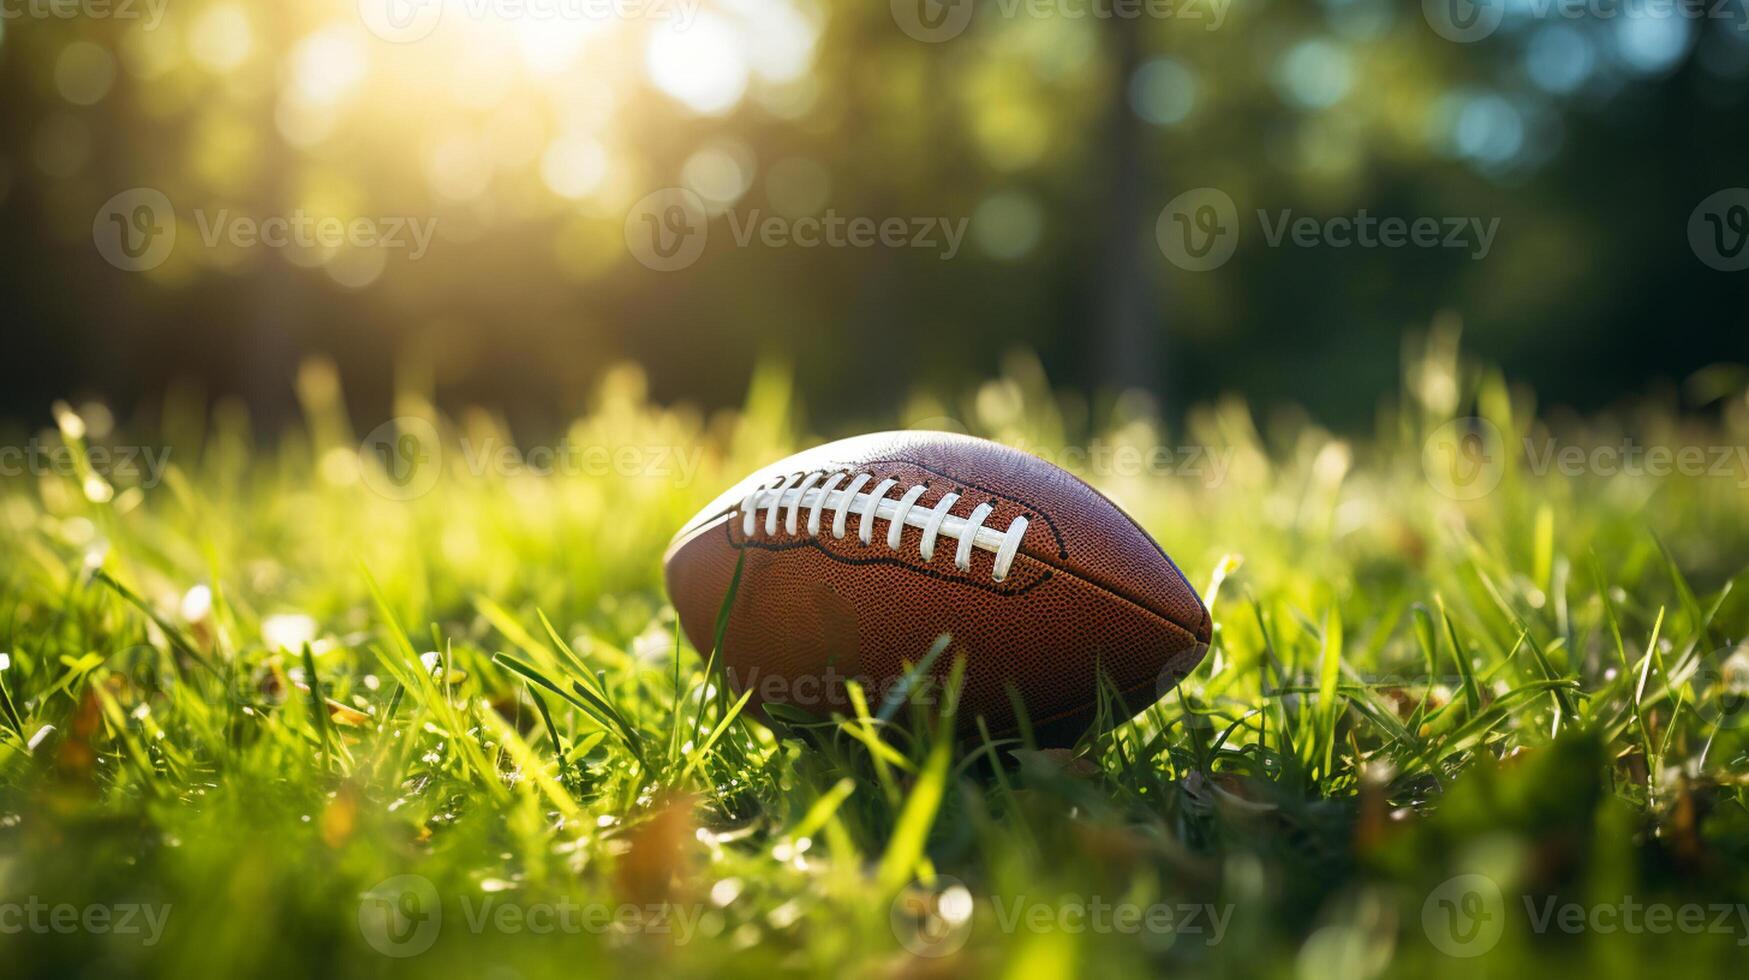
point(1056, 132)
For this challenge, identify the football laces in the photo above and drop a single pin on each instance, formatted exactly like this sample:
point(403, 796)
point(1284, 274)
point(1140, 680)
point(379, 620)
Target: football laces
point(788, 498)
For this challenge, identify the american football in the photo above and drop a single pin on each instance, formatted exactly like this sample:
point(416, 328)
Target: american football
point(860, 554)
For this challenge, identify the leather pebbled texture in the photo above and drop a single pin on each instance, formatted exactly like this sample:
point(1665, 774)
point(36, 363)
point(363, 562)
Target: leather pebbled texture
point(1088, 591)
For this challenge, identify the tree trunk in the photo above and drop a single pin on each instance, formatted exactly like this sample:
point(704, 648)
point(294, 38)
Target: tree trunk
point(1127, 327)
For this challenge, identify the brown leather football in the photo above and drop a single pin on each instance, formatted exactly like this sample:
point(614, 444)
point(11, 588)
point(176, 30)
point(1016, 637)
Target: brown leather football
point(860, 553)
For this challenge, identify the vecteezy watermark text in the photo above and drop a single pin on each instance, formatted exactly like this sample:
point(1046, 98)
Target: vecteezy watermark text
point(1096, 915)
point(935, 21)
point(667, 230)
point(136, 230)
point(406, 21)
point(1199, 230)
point(823, 692)
point(570, 918)
point(404, 457)
point(489, 456)
point(1206, 464)
point(1467, 458)
point(33, 915)
point(151, 12)
point(1631, 458)
point(1364, 230)
point(1467, 916)
point(834, 230)
point(304, 230)
point(146, 464)
point(403, 916)
point(1465, 21)
point(936, 919)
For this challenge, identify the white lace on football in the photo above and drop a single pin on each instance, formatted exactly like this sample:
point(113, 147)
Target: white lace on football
point(806, 490)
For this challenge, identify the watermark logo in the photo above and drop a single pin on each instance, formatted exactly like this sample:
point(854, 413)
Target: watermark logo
point(407, 21)
point(934, 919)
point(672, 463)
point(301, 229)
point(1465, 916)
point(401, 916)
point(1073, 916)
point(666, 230)
point(932, 21)
point(402, 458)
point(143, 465)
point(135, 231)
point(935, 21)
point(1722, 685)
point(401, 21)
point(33, 915)
point(939, 233)
point(1108, 459)
point(1464, 459)
point(149, 11)
point(1464, 21)
point(827, 691)
point(1634, 459)
point(1718, 230)
point(1198, 230)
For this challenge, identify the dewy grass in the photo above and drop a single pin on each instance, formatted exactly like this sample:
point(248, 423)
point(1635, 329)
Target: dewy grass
point(316, 710)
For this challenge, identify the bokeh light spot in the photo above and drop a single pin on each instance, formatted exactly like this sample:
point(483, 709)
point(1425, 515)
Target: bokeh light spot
point(1489, 130)
point(328, 65)
point(456, 167)
point(1316, 74)
point(146, 53)
point(573, 166)
point(302, 123)
point(84, 72)
point(220, 39)
point(357, 267)
point(780, 40)
point(719, 174)
point(1007, 225)
point(1652, 43)
point(1162, 91)
point(703, 67)
point(1559, 58)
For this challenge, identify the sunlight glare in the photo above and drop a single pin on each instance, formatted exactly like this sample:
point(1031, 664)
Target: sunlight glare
point(573, 166)
point(704, 67)
point(328, 65)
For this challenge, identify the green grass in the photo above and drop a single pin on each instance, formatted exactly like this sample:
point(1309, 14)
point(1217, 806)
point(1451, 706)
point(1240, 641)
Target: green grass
point(255, 693)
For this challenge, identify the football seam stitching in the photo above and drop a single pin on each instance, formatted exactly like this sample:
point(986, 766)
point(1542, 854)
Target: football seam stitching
point(1062, 547)
point(1050, 524)
point(1192, 631)
point(804, 542)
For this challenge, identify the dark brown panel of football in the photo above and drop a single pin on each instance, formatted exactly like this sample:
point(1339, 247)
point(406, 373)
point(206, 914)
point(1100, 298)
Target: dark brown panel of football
point(860, 553)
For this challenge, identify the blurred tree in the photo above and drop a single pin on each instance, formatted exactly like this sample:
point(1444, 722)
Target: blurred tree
point(1050, 141)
